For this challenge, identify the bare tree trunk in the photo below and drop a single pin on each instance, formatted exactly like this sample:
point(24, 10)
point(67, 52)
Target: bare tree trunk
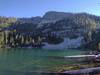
point(90, 71)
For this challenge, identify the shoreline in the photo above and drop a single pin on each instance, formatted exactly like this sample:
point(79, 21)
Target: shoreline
point(89, 71)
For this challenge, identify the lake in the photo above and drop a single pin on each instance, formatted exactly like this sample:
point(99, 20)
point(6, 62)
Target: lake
point(23, 60)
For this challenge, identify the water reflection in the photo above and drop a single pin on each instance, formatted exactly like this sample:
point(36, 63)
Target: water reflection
point(33, 60)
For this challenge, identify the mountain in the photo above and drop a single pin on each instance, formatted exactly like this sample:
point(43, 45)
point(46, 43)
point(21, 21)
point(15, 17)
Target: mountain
point(57, 27)
point(53, 19)
point(61, 21)
point(34, 20)
point(53, 16)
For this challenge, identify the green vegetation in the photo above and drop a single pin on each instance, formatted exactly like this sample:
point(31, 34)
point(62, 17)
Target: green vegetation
point(66, 25)
point(1, 39)
point(6, 21)
point(54, 40)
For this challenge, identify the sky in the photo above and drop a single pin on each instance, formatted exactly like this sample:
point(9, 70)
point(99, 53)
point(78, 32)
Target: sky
point(32, 8)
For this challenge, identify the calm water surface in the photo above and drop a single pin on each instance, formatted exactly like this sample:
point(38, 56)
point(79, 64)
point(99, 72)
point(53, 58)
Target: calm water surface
point(33, 60)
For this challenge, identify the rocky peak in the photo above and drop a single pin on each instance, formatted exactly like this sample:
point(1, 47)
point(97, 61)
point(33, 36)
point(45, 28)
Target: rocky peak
point(52, 15)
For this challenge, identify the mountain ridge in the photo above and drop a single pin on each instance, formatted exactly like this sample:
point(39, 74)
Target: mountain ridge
point(55, 27)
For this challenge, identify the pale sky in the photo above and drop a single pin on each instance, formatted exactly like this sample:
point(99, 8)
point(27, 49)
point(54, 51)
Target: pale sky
point(31, 8)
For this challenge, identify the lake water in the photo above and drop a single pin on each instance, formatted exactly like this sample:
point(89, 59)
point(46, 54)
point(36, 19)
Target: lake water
point(20, 61)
